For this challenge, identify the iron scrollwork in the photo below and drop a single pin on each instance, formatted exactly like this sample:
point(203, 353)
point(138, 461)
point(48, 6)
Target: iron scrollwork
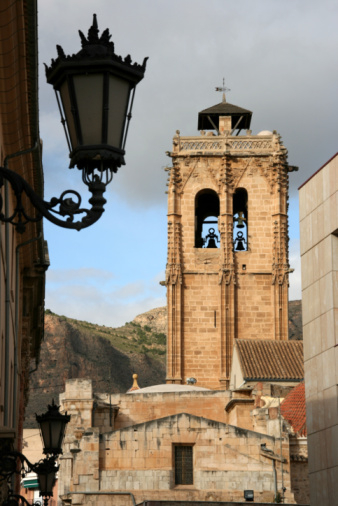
point(17, 499)
point(68, 205)
point(14, 462)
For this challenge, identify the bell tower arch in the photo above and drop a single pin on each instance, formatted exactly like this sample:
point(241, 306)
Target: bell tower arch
point(227, 268)
point(206, 219)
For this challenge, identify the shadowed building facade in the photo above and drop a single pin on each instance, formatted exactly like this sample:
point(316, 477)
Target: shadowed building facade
point(23, 257)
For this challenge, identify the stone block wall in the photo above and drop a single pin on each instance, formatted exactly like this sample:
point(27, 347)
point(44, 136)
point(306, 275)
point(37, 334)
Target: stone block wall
point(138, 408)
point(226, 460)
point(201, 344)
point(255, 310)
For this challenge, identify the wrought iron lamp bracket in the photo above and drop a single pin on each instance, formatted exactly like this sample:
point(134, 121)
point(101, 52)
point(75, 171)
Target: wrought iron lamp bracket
point(68, 205)
point(14, 462)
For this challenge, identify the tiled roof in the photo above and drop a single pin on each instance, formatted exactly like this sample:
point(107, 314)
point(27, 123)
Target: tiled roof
point(293, 409)
point(263, 359)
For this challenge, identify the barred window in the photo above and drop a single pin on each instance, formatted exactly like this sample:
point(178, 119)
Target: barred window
point(183, 465)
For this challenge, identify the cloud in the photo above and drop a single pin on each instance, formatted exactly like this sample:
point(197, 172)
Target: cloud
point(273, 59)
point(93, 295)
point(279, 63)
point(85, 274)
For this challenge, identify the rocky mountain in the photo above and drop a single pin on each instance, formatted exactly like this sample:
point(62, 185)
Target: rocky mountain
point(295, 320)
point(109, 356)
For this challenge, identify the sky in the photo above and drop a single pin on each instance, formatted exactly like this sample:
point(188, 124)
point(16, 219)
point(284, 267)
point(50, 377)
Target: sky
point(279, 59)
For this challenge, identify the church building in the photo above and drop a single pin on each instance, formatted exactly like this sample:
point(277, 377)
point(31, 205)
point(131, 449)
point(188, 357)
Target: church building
point(214, 431)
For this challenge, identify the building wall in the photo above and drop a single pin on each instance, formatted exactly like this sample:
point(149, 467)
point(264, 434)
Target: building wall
point(22, 258)
point(318, 199)
point(138, 458)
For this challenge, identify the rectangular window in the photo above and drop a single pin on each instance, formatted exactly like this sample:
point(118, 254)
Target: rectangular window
point(183, 465)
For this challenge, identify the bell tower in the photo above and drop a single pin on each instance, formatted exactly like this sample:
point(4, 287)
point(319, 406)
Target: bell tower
point(227, 267)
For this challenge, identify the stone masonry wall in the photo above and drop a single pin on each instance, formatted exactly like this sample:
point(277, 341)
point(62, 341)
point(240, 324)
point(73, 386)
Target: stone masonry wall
point(201, 344)
point(138, 408)
point(226, 460)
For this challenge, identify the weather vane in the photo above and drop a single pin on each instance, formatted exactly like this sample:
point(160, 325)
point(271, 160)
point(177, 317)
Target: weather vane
point(222, 89)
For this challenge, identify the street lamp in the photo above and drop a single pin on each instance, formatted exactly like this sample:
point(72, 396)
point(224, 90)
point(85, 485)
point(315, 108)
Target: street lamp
point(95, 92)
point(52, 426)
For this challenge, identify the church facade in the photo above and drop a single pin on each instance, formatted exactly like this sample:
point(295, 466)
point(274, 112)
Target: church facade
point(205, 435)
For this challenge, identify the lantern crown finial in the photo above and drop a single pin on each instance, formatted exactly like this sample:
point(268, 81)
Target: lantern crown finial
point(93, 46)
point(93, 38)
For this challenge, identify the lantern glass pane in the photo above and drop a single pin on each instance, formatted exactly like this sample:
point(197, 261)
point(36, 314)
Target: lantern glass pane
point(57, 432)
point(46, 483)
point(119, 91)
point(89, 98)
point(67, 110)
point(46, 435)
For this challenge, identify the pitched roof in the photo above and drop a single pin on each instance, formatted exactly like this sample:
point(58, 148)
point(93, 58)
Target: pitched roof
point(293, 409)
point(224, 109)
point(264, 360)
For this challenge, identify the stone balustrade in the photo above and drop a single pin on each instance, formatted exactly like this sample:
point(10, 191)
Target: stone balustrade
point(227, 144)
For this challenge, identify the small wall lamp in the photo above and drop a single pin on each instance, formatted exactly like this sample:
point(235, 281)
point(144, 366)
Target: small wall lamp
point(52, 426)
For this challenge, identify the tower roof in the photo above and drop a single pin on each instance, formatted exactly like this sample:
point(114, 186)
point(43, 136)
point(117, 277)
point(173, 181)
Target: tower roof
point(240, 118)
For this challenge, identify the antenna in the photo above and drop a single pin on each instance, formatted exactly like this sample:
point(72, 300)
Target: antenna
point(223, 89)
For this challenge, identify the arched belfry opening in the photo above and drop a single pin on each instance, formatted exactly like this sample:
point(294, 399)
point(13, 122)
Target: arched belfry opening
point(240, 217)
point(206, 219)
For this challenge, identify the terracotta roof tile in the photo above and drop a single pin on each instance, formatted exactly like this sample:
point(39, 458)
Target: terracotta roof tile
point(263, 359)
point(293, 409)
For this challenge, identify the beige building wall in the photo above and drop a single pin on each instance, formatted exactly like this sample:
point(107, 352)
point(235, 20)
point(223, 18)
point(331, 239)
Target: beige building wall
point(128, 448)
point(22, 256)
point(319, 258)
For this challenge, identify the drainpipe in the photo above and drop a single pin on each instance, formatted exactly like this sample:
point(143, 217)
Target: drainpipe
point(274, 476)
point(7, 291)
point(7, 314)
point(16, 337)
point(281, 448)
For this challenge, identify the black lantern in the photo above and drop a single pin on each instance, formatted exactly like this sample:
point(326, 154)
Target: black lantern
point(95, 90)
point(46, 471)
point(52, 425)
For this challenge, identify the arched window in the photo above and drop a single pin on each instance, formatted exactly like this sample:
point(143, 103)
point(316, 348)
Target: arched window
point(240, 216)
point(206, 219)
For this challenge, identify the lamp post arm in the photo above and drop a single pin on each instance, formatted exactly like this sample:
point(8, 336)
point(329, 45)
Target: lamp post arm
point(64, 206)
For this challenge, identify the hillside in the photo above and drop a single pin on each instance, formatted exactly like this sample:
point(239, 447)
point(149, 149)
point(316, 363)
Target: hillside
point(109, 356)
